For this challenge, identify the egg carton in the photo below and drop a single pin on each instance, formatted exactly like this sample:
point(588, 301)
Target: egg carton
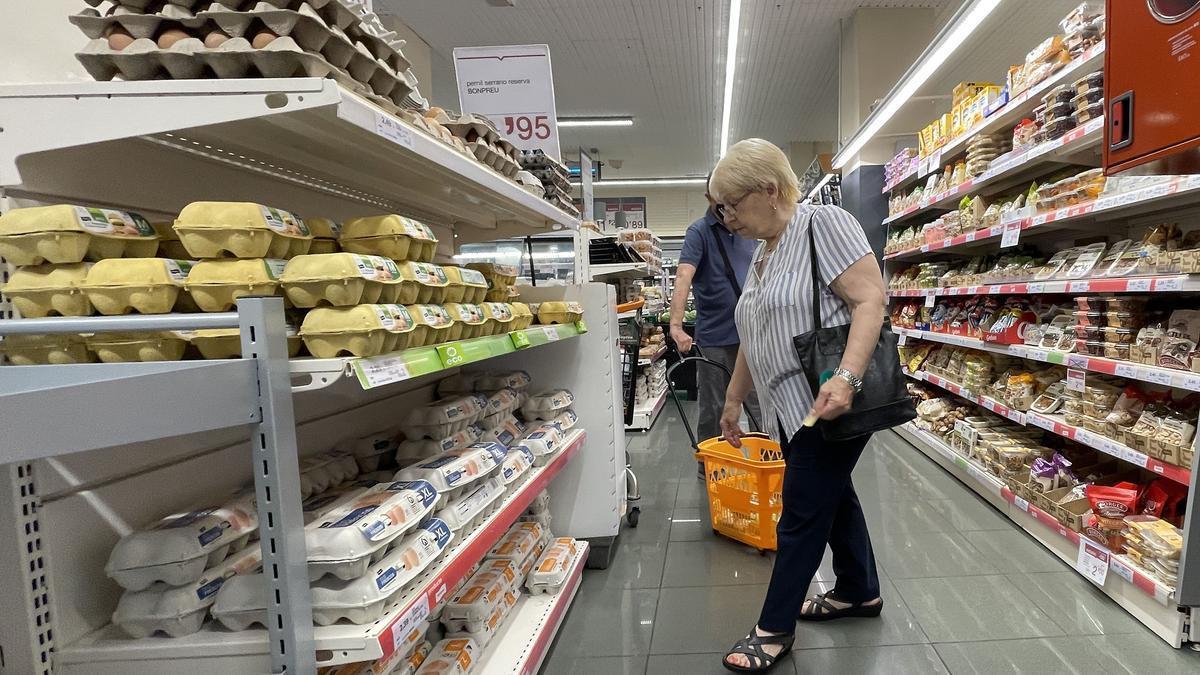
point(350, 537)
point(559, 312)
point(30, 350)
point(500, 318)
point(334, 12)
point(390, 235)
point(465, 285)
point(345, 279)
point(547, 405)
point(362, 330)
point(522, 315)
point(503, 400)
point(530, 184)
point(518, 543)
point(532, 160)
point(226, 343)
point(423, 448)
point(371, 451)
point(552, 568)
point(180, 610)
point(516, 380)
point(176, 550)
point(452, 472)
point(321, 472)
point(472, 509)
point(444, 416)
point(137, 347)
point(451, 657)
point(216, 285)
point(469, 317)
point(475, 601)
point(544, 442)
point(540, 503)
point(44, 290)
point(66, 233)
point(508, 433)
point(543, 519)
point(241, 230)
point(325, 233)
point(317, 506)
point(516, 465)
point(482, 631)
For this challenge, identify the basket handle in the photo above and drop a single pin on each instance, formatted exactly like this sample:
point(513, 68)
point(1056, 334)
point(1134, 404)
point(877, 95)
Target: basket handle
point(687, 425)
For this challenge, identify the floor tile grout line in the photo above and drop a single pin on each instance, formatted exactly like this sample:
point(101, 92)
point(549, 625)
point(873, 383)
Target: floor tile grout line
point(663, 572)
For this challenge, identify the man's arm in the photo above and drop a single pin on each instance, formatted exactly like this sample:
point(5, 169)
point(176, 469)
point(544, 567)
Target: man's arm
point(683, 285)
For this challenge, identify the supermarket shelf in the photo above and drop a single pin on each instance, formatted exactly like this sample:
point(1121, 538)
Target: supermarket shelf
point(619, 271)
point(657, 355)
point(1167, 377)
point(1015, 168)
point(305, 144)
point(1147, 599)
point(521, 645)
point(1016, 109)
point(1168, 195)
point(1051, 424)
point(214, 649)
point(644, 416)
point(409, 364)
point(1177, 282)
point(902, 182)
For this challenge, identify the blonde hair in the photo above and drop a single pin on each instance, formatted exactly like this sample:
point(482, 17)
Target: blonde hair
point(751, 165)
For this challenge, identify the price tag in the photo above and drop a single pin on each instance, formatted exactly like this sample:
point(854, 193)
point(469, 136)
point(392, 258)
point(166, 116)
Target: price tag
point(972, 290)
point(989, 404)
point(1120, 568)
point(902, 340)
point(1076, 361)
point(1037, 287)
point(1092, 562)
point(380, 370)
point(1087, 438)
point(550, 332)
point(1079, 287)
point(948, 241)
point(1107, 202)
point(1137, 285)
point(930, 300)
point(1158, 376)
point(924, 248)
point(415, 614)
point(1021, 503)
point(1191, 382)
point(970, 236)
point(1037, 354)
point(1134, 457)
point(1172, 284)
point(994, 290)
point(1012, 234)
point(393, 129)
point(1126, 370)
point(1039, 421)
point(1161, 594)
point(1039, 219)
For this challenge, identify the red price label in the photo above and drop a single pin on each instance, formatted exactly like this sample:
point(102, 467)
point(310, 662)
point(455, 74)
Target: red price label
point(527, 128)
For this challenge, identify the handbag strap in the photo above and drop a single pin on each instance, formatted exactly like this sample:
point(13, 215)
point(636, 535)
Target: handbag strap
point(737, 288)
point(816, 271)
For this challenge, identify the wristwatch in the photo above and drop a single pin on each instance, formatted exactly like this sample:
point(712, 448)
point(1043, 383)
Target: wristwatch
point(852, 379)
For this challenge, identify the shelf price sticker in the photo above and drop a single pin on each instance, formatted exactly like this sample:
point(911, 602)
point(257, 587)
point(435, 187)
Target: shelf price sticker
point(380, 370)
point(1079, 287)
point(902, 340)
point(1158, 376)
point(1092, 562)
point(1168, 284)
point(1075, 379)
point(930, 299)
point(1191, 382)
point(1122, 570)
point(1126, 370)
point(415, 615)
point(1021, 503)
point(1137, 285)
point(551, 333)
point(392, 129)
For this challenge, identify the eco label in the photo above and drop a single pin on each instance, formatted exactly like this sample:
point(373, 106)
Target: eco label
point(113, 223)
point(274, 267)
point(376, 268)
point(581, 326)
point(451, 354)
point(283, 222)
point(520, 339)
point(178, 269)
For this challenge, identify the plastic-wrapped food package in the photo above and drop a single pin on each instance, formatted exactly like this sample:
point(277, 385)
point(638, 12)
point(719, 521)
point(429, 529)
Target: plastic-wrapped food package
point(180, 610)
point(178, 549)
point(451, 657)
point(469, 510)
point(552, 567)
point(347, 539)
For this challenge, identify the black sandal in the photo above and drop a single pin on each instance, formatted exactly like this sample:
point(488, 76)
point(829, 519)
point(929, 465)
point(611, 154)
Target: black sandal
point(819, 609)
point(751, 647)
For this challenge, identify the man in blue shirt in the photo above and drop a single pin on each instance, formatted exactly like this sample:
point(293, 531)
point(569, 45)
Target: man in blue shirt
point(713, 265)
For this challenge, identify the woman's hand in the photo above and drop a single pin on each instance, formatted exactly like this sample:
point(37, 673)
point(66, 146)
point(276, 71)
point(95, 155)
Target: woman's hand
point(731, 422)
point(833, 399)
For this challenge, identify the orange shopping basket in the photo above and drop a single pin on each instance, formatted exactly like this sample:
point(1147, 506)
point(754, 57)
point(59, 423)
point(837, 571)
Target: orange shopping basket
point(745, 484)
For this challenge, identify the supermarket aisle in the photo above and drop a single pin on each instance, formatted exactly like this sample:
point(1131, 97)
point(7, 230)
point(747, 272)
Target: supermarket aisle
point(966, 590)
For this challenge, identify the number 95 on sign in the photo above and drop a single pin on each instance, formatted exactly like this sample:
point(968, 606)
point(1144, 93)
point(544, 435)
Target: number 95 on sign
point(526, 127)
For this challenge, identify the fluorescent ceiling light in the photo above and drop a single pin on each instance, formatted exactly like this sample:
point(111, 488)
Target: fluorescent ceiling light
point(968, 18)
point(647, 182)
point(595, 121)
point(817, 188)
point(735, 20)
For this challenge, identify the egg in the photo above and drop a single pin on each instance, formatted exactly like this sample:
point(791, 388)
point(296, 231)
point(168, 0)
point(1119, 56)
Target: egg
point(118, 38)
point(434, 112)
point(263, 38)
point(215, 39)
point(170, 36)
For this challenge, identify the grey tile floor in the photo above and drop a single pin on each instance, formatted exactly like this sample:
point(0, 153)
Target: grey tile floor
point(966, 591)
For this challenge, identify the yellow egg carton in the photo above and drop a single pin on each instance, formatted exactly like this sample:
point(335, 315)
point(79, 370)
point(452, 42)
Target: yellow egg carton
point(500, 317)
point(169, 245)
point(465, 285)
point(43, 290)
point(226, 343)
point(216, 285)
point(362, 330)
point(522, 315)
point(29, 350)
point(325, 234)
point(501, 294)
point(469, 316)
point(344, 279)
point(241, 230)
point(431, 279)
point(497, 275)
point(142, 285)
point(128, 347)
point(559, 312)
point(65, 233)
point(391, 236)
point(438, 324)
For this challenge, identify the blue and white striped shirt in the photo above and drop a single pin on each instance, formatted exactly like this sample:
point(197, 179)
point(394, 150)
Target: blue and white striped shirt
point(776, 306)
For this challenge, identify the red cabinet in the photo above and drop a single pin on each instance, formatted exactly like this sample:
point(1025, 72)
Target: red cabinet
point(1152, 86)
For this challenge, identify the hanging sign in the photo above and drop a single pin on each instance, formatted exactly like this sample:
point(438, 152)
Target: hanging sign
point(514, 87)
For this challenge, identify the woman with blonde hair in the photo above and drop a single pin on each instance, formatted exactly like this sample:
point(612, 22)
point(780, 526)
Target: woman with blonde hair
point(758, 196)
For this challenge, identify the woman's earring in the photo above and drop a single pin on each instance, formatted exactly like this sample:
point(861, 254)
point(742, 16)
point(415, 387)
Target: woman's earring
point(774, 206)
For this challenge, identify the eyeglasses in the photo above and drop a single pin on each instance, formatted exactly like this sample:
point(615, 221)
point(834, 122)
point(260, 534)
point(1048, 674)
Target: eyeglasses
point(725, 210)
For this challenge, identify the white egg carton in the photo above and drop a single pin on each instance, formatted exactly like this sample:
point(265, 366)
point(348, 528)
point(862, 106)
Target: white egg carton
point(515, 379)
point(316, 506)
point(451, 472)
point(482, 631)
point(518, 543)
point(451, 657)
point(551, 569)
point(516, 465)
point(540, 503)
point(332, 12)
point(507, 433)
point(452, 413)
point(474, 602)
point(177, 549)
point(349, 538)
point(544, 442)
point(363, 600)
point(422, 448)
point(320, 472)
point(456, 385)
point(565, 420)
point(542, 519)
point(547, 405)
point(470, 510)
point(180, 610)
point(371, 451)
point(504, 400)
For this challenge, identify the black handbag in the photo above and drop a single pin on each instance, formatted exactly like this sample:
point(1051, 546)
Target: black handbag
point(883, 402)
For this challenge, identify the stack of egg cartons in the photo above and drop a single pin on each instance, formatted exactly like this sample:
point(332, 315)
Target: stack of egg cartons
point(77, 261)
point(552, 567)
point(172, 570)
point(552, 418)
point(451, 657)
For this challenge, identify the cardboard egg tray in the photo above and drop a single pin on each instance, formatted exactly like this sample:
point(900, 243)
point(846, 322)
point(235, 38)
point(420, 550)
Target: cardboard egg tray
point(332, 11)
point(392, 236)
point(343, 279)
point(216, 285)
point(325, 234)
point(131, 347)
point(30, 350)
point(142, 285)
point(241, 230)
point(559, 312)
point(65, 233)
point(226, 343)
point(362, 330)
point(43, 290)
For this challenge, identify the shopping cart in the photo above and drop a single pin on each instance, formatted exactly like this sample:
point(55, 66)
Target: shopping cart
point(745, 485)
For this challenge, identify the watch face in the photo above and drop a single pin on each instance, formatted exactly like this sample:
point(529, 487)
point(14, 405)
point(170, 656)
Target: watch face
point(1172, 11)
